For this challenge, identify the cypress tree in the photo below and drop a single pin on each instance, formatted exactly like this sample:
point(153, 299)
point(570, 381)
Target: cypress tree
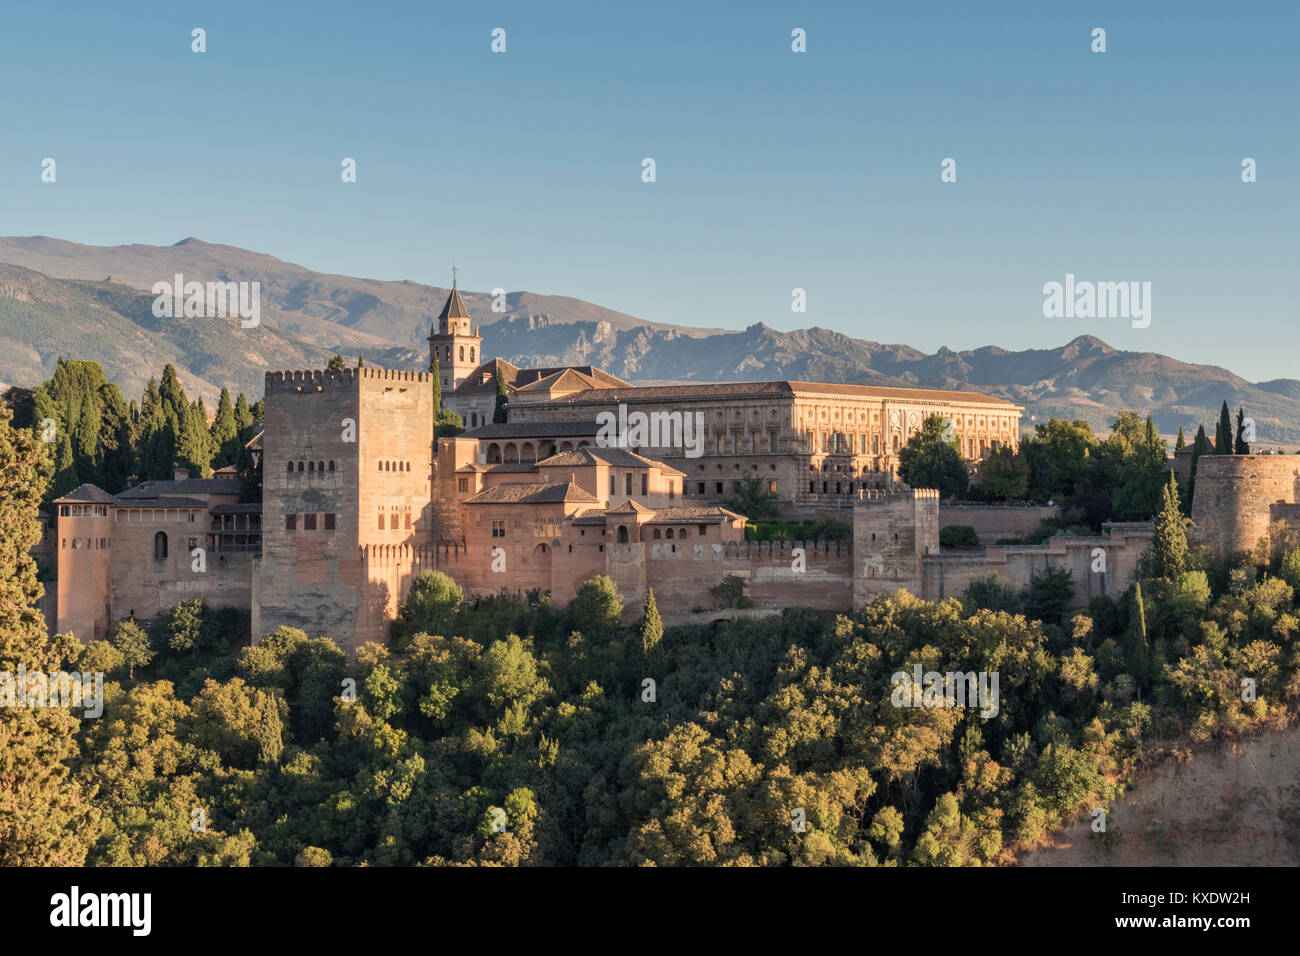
point(243, 417)
point(1223, 433)
point(1240, 447)
point(499, 415)
point(225, 433)
point(652, 626)
point(65, 469)
point(436, 374)
point(1137, 653)
point(1170, 542)
point(1182, 441)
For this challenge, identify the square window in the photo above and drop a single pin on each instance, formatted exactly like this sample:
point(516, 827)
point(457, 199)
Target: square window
point(290, 522)
point(329, 521)
point(462, 484)
point(309, 522)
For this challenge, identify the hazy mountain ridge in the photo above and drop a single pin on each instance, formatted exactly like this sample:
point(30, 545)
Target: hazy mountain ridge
point(56, 299)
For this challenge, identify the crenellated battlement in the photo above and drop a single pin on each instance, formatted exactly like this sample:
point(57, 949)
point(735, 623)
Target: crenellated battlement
point(896, 494)
point(320, 380)
point(783, 550)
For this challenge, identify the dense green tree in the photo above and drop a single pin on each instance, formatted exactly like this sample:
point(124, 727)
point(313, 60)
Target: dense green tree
point(243, 418)
point(928, 461)
point(1181, 441)
point(597, 608)
point(751, 497)
point(430, 607)
point(1003, 475)
point(46, 817)
point(133, 644)
point(1060, 458)
point(336, 364)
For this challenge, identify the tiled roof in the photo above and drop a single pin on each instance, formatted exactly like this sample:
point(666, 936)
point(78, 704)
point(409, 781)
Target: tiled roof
point(776, 390)
point(628, 507)
point(190, 486)
point(531, 493)
point(453, 308)
point(483, 378)
point(590, 454)
point(90, 493)
point(170, 501)
point(697, 515)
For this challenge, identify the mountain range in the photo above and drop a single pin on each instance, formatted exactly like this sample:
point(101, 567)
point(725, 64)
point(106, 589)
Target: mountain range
point(94, 302)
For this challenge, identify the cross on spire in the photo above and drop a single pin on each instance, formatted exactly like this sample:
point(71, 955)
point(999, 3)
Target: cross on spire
point(453, 273)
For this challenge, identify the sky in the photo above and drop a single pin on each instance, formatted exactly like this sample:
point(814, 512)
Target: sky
point(774, 170)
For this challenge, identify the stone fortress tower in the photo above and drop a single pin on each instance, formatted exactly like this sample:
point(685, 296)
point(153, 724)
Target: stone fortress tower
point(1239, 497)
point(347, 499)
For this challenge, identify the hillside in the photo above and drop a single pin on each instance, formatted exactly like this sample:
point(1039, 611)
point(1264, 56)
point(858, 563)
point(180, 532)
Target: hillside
point(59, 297)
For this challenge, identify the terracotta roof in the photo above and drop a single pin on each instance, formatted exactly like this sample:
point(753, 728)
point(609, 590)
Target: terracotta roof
point(697, 515)
point(531, 493)
point(483, 378)
point(591, 454)
point(91, 493)
point(511, 467)
point(732, 390)
point(629, 507)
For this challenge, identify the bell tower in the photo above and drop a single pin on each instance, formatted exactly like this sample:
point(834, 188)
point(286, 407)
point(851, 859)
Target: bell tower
point(454, 340)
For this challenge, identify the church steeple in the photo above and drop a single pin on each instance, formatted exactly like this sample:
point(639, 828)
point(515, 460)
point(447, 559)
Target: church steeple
point(454, 339)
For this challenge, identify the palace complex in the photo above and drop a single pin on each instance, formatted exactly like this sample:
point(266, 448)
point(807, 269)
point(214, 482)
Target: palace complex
point(359, 497)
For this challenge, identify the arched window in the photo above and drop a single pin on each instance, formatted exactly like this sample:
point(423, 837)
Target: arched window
point(289, 469)
point(381, 465)
point(461, 353)
point(448, 355)
point(320, 466)
point(299, 466)
point(160, 545)
point(657, 534)
point(622, 534)
point(311, 466)
point(471, 353)
point(681, 532)
point(669, 534)
point(331, 466)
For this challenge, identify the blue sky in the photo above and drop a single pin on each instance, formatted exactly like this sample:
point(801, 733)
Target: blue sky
point(775, 170)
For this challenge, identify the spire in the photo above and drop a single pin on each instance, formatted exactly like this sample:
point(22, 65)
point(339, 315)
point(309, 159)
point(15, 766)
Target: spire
point(454, 308)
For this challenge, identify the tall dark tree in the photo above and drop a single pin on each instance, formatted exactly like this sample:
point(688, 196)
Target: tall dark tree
point(499, 414)
point(1240, 447)
point(1182, 440)
point(243, 417)
point(436, 375)
point(1223, 433)
point(1169, 546)
point(225, 433)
